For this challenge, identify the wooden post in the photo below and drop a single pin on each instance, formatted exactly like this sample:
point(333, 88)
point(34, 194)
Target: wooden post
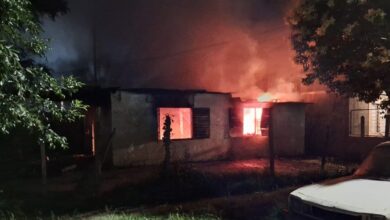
point(271, 144)
point(362, 126)
point(387, 125)
point(43, 164)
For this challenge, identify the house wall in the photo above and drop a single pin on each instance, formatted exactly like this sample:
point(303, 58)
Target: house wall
point(289, 134)
point(134, 116)
point(288, 129)
point(327, 123)
point(103, 135)
point(374, 118)
point(356, 111)
point(249, 147)
point(246, 146)
point(329, 115)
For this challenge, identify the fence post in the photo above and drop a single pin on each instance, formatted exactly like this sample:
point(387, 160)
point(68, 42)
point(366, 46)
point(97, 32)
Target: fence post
point(362, 126)
point(324, 149)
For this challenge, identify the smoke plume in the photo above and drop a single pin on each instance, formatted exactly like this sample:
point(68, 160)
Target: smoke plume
point(234, 46)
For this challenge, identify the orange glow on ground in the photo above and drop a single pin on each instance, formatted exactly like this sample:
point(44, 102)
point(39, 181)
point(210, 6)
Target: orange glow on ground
point(252, 121)
point(181, 122)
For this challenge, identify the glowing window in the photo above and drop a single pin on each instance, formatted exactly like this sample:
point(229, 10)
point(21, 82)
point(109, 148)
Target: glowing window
point(252, 121)
point(181, 122)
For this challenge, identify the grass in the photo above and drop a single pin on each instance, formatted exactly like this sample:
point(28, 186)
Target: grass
point(124, 216)
point(111, 215)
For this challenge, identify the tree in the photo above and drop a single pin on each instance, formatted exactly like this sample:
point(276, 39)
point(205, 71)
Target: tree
point(49, 7)
point(30, 96)
point(345, 45)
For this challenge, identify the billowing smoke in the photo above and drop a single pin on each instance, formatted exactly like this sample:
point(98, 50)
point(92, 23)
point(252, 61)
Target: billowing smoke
point(219, 45)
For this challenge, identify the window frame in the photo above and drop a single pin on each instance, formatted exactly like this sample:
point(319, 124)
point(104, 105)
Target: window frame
point(193, 126)
point(176, 139)
point(264, 119)
point(255, 121)
point(197, 133)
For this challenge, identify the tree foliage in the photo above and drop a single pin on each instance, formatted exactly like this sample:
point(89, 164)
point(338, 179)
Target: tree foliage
point(345, 45)
point(30, 96)
point(49, 7)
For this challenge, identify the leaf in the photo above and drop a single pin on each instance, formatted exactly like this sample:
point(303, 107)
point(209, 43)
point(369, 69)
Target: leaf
point(29, 93)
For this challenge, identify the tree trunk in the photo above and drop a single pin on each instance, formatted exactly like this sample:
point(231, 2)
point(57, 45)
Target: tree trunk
point(43, 166)
point(167, 158)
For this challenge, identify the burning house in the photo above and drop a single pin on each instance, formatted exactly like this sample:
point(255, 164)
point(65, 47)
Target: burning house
point(242, 47)
point(199, 125)
point(206, 126)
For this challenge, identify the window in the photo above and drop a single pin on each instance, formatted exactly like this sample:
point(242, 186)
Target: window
point(201, 119)
point(252, 121)
point(366, 119)
point(255, 121)
point(186, 122)
point(181, 122)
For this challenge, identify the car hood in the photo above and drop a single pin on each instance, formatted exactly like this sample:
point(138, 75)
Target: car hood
point(350, 194)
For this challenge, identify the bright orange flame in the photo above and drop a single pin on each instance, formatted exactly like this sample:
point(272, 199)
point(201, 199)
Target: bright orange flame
point(252, 121)
point(265, 97)
point(181, 122)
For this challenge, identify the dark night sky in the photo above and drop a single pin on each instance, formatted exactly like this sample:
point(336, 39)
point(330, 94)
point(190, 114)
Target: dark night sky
point(219, 45)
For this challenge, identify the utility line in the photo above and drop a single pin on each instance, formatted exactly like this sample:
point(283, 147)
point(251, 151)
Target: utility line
point(179, 53)
point(195, 49)
point(190, 50)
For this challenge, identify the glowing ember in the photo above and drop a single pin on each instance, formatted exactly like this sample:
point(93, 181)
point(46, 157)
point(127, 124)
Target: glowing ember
point(265, 97)
point(252, 121)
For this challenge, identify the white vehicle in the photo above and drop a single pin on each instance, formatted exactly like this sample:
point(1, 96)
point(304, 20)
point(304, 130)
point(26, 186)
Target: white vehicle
point(363, 196)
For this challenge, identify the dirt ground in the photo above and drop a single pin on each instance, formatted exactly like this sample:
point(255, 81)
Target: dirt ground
point(114, 178)
point(256, 204)
point(229, 189)
point(282, 166)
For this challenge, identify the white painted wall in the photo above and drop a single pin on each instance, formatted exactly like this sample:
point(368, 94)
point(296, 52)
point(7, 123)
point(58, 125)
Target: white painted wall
point(135, 143)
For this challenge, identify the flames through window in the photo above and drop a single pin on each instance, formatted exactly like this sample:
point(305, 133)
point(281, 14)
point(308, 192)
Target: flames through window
point(181, 122)
point(255, 121)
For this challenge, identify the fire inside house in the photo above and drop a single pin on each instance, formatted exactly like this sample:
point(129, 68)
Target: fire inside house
point(181, 121)
point(127, 125)
point(252, 121)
